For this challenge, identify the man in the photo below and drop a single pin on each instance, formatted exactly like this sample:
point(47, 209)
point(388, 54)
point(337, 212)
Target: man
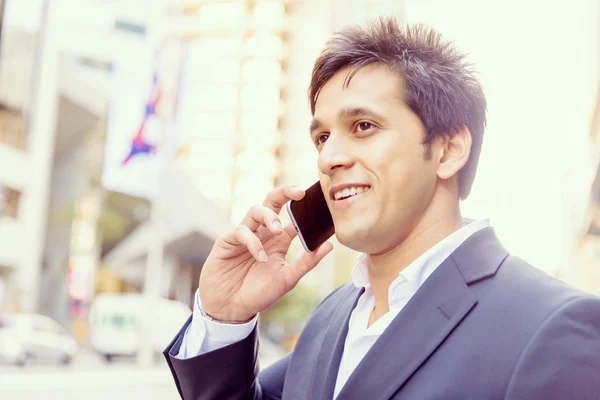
point(437, 308)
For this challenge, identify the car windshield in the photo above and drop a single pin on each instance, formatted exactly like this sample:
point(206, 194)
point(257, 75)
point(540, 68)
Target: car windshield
point(42, 323)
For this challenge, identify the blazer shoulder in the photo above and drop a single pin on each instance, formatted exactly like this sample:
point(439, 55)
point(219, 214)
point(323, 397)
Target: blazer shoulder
point(561, 359)
point(537, 280)
point(530, 285)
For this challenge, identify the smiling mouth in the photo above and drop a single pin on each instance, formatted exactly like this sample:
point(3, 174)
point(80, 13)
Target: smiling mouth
point(349, 192)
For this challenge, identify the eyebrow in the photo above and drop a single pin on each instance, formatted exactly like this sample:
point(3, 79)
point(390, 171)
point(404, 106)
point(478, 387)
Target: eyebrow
point(346, 112)
point(314, 125)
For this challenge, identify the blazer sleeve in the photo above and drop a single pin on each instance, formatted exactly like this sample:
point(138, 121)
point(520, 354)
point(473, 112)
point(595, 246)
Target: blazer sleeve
point(228, 373)
point(562, 360)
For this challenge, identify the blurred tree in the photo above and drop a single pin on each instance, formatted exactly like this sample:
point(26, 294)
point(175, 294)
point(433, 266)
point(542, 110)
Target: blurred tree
point(107, 281)
point(345, 259)
point(292, 309)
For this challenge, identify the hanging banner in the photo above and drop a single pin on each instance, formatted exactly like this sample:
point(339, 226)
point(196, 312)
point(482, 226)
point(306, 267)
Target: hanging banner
point(134, 126)
point(133, 131)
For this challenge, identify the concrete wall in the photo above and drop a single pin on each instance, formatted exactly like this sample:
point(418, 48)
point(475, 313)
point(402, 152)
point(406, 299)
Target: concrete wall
point(69, 181)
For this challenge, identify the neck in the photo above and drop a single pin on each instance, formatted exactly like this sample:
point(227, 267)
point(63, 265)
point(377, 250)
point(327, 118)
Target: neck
point(436, 224)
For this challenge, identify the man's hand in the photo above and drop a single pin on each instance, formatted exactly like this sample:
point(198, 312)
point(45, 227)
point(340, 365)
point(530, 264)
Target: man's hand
point(246, 271)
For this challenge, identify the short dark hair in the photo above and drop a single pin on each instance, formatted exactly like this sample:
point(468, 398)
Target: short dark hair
point(439, 84)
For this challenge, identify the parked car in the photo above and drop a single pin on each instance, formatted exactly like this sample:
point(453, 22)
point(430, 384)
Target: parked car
point(115, 323)
point(34, 337)
point(11, 351)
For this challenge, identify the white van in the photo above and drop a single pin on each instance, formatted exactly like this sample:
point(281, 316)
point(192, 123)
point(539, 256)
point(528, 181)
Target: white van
point(115, 323)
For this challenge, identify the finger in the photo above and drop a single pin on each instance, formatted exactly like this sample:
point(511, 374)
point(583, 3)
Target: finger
point(265, 234)
point(290, 230)
point(246, 237)
point(259, 216)
point(277, 198)
point(305, 263)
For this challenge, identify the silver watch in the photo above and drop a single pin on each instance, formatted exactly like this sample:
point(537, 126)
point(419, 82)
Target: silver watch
point(208, 317)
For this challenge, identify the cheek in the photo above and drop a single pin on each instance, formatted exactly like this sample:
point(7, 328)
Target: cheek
point(404, 179)
point(324, 180)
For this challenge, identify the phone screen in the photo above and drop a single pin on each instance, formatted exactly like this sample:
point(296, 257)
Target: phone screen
point(312, 218)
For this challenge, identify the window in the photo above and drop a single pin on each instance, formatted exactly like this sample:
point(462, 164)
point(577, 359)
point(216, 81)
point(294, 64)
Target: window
point(9, 202)
point(118, 320)
point(19, 21)
point(11, 127)
point(230, 99)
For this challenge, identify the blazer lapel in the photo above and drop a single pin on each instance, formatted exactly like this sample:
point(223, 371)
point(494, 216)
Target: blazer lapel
point(330, 353)
point(422, 325)
point(435, 310)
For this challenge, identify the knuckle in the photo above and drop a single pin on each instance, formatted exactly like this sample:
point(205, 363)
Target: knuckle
point(279, 192)
point(279, 202)
point(271, 196)
point(255, 210)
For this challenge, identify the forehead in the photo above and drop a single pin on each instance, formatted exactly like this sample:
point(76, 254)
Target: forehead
point(374, 85)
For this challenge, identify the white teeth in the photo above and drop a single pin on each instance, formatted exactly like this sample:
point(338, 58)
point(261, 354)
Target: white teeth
point(350, 191)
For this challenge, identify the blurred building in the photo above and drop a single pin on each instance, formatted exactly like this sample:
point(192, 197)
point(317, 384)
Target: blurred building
point(585, 250)
point(24, 148)
point(57, 221)
point(48, 115)
point(242, 111)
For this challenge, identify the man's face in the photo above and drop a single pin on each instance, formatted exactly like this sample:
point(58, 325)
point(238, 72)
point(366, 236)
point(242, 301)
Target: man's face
point(371, 159)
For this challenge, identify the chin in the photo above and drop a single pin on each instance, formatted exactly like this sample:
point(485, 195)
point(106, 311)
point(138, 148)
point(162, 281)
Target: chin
point(354, 238)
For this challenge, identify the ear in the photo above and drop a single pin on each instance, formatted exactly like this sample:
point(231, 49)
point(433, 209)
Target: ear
point(454, 153)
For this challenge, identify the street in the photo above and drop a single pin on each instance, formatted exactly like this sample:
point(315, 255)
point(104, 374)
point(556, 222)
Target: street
point(90, 378)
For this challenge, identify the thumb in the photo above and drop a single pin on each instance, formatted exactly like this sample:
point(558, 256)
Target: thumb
point(305, 263)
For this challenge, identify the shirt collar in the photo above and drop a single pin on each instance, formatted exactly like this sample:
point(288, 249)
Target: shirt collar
point(417, 272)
point(360, 275)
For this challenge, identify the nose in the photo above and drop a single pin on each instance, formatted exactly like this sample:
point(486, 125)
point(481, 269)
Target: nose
point(335, 154)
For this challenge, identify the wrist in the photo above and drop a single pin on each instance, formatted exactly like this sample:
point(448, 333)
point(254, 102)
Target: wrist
point(231, 319)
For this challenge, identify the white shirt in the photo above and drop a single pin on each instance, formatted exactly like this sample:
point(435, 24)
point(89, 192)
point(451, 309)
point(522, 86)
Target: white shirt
point(204, 335)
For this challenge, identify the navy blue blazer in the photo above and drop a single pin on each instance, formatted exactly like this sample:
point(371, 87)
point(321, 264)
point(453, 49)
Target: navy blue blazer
point(484, 325)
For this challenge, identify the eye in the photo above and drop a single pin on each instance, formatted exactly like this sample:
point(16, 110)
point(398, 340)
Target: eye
point(364, 126)
point(321, 139)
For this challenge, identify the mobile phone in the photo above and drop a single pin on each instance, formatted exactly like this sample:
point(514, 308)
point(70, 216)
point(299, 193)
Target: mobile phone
point(311, 218)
